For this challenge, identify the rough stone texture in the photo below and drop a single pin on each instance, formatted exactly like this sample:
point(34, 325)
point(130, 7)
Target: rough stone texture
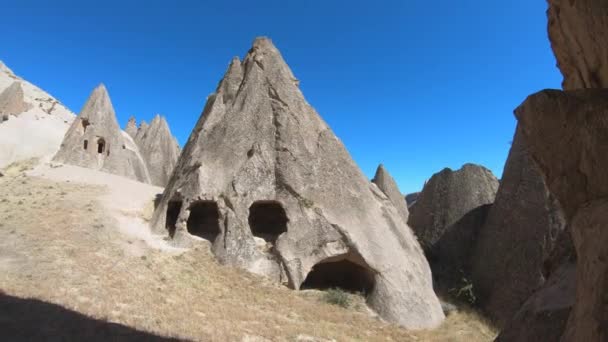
point(567, 136)
point(411, 199)
point(259, 144)
point(517, 237)
point(447, 197)
point(387, 184)
point(544, 315)
point(450, 257)
point(159, 149)
point(578, 31)
point(131, 128)
point(107, 148)
point(12, 101)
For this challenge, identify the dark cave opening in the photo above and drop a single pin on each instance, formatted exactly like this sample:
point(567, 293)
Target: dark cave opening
point(204, 220)
point(342, 274)
point(173, 209)
point(267, 220)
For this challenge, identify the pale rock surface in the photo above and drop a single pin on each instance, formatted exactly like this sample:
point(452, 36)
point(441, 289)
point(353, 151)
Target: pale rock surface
point(159, 149)
point(387, 184)
point(36, 122)
point(567, 137)
point(447, 197)
point(259, 148)
point(578, 31)
point(95, 141)
point(517, 237)
point(131, 128)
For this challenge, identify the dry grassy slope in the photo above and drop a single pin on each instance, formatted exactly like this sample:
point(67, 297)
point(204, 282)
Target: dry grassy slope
point(58, 245)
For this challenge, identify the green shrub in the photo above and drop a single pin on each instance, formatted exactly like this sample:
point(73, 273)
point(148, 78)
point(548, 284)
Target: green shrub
point(337, 297)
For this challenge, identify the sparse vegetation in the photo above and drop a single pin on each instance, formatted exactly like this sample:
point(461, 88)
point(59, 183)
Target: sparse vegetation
point(338, 297)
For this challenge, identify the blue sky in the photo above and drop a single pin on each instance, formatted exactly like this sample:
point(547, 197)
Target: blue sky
point(415, 84)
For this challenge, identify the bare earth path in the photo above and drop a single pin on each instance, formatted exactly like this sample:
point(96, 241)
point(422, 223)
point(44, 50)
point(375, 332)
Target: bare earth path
point(77, 262)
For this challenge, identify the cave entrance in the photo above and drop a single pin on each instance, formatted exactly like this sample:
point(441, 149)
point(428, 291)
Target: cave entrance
point(267, 220)
point(204, 220)
point(342, 274)
point(101, 145)
point(86, 144)
point(173, 209)
point(85, 124)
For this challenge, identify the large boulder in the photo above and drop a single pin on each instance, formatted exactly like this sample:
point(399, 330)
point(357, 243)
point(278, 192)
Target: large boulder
point(517, 237)
point(95, 141)
point(447, 197)
point(387, 184)
point(159, 149)
point(578, 31)
point(567, 137)
point(266, 183)
point(12, 101)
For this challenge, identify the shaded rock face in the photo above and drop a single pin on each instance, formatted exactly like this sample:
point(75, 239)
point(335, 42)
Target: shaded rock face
point(131, 128)
point(387, 184)
point(567, 137)
point(411, 199)
point(12, 101)
point(518, 236)
point(578, 31)
point(544, 315)
point(159, 149)
point(265, 181)
point(95, 141)
point(447, 197)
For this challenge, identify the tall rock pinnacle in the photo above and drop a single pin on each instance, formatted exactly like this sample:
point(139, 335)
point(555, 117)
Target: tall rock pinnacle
point(95, 141)
point(266, 182)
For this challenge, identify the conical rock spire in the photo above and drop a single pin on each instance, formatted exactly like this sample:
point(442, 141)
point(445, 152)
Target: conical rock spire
point(268, 184)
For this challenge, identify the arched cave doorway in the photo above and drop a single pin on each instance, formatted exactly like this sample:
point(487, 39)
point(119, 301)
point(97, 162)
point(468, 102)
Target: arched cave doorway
point(173, 209)
point(267, 220)
point(204, 220)
point(86, 144)
point(101, 145)
point(340, 273)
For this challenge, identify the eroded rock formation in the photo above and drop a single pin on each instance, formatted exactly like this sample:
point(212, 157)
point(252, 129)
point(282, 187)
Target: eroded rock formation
point(578, 31)
point(12, 101)
point(96, 141)
point(567, 137)
point(267, 183)
point(131, 128)
point(447, 197)
point(387, 184)
point(519, 234)
point(159, 149)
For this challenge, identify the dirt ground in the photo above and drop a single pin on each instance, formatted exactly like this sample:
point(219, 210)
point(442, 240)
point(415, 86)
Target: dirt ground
point(69, 270)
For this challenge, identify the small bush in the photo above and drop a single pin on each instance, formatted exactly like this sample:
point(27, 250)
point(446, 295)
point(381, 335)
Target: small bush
point(337, 297)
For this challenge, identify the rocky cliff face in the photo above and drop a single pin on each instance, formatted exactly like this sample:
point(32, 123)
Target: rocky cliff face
point(447, 197)
point(567, 136)
point(159, 149)
point(268, 185)
point(95, 141)
point(32, 122)
point(578, 31)
point(387, 184)
point(519, 234)
point(131, 128)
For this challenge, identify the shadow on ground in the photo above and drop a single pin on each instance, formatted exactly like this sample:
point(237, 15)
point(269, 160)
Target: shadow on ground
point(34, 320)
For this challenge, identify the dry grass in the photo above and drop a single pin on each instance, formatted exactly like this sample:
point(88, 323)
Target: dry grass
point(57, 245)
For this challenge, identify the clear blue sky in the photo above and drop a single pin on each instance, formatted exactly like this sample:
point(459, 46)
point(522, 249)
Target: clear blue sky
point(417, 85)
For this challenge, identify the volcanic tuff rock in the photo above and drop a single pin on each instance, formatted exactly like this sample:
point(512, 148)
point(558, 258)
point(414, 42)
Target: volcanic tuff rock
point(578, 31)
point(95, 141)
point(32, 122)
point(518, 236)
point(267, 183)
point(131, 128)
point(447, 197)
point(387, 184)
point(411, 199)
point(159, 149)
point(12, 101)
point(567, 136)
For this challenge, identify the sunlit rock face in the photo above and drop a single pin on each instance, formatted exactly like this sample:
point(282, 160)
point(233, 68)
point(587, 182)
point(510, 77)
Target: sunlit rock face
point(266, 183)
